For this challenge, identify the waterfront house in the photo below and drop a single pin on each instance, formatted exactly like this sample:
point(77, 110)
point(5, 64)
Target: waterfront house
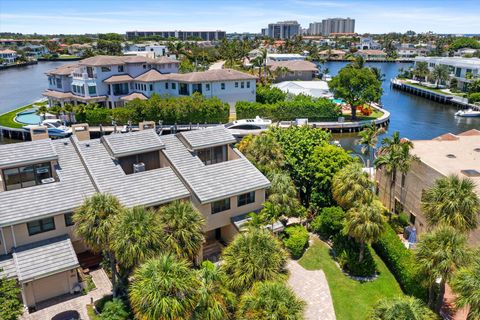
point(316, 89)
point(8, 56)
point(371, 55)
point(464, 70)
point(368, 44)
point(465, 52)
point(294, 70)
point(112, 80)
point(44, 181)
point(332, 54)
point(439, 157)
point(284, 57)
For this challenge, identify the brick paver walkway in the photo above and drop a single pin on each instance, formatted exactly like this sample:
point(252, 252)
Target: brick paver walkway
point(55, 306)
point(312, 287)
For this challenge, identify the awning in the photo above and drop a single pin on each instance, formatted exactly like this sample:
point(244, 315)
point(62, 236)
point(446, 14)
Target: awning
point(240, 222)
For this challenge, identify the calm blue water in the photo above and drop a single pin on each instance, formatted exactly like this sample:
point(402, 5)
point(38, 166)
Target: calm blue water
point(28, 117)
point(414, 117)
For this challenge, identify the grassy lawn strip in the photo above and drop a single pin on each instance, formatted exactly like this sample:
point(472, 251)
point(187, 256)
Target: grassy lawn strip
point(435, 90)
point(351, 299)
point(8, 119)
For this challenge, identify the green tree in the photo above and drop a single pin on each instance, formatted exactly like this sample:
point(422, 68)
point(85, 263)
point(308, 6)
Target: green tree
point(466, 284)
point(164, 288)
point(252, 256)
point(263, 151)
point(93, 223)
point(283, 194)
point(12, 307)
point(114, 310)
point(356, 86)
point(401, 308)
point(452, 201)
point(42, 111)
point(421, 70)
point(440, 74)
point(216, 302)
point(184, 229)
point(270, 300)
point(365, 223)
point(329, 222)
point(438, 255)
point(351, 186)
point(369, 139)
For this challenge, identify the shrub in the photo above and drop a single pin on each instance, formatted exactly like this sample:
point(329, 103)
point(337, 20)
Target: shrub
point(266, 94)
point(347, 252)
point(296, 240)
point(474, 97)
point(122, 115)
point(98, 116)
point(329, 222)
point(400, 261)
point(114, 310)
point(399, 222)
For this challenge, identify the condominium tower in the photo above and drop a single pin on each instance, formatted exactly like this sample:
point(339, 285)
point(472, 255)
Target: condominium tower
point(338, 25)
point(315, 29)
point(284, 29)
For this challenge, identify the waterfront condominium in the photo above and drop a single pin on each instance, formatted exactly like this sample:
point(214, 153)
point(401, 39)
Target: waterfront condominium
point(113, 80)
point(178, 34)
point(338, 25)
point(45, 181)
point(283, 29)
point(315, 29)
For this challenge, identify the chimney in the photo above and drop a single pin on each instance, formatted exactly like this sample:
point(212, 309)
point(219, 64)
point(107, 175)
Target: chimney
point(81, 131)
point(145, 125)
point(38, 133)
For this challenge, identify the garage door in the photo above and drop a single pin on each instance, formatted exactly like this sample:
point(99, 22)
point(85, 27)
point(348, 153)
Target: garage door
point(50, 287)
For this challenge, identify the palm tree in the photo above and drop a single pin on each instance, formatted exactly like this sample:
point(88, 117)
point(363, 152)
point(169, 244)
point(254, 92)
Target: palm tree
point(216, 301)
point(365, 223)
point(164, 288)
point(256, 255)
point(184, 229)
point(369, 139)
point(421, 70)
point(283, 194)
point(378, 73)
point(93, 223)
point(452, 201)
point(137, 235)
point(401, 308)
point(351, 186)
point(438, 255)
point(42, 111)
point(281, 72)
point(270, 300)
point(440, 74)
point(466, 284)
point(263, 151)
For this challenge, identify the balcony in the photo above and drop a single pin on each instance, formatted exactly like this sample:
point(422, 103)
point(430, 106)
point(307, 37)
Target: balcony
point(83, 74)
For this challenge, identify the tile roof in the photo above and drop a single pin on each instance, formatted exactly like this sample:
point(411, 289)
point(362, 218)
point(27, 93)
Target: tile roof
point(65, 195)
point(64, 70)
point(98, 61)
point(43, 258)
point(148, 188)
point(152, 75)
point(200, 76)
point(118, 78)
point(7, 51)
point(294, 65)
point(7, 266)
point(26, 153)
point(210, 137)
point(135, 95)
point(216, 181)
point(125, 144)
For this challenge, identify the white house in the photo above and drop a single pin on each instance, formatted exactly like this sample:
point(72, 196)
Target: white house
point(146, 50)
point(9, 56)
point(284, 57)
point(368, 44)
point(316, 89)
point(112, 80)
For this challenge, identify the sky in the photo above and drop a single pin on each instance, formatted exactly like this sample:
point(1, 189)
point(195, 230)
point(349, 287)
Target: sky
point(100, 16)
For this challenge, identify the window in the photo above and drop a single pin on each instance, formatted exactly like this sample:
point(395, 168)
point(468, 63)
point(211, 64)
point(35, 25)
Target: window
point(403, 179)
point(221, 205)
point(398, 207)
point(236, 85)
point(26, 176)
point(151, 87)
point(144, 66)
point(92, 90)
point(242, 85)
point(174, 86)
point(412, 218)
point(207, 87)
point(246, 198)
point(120, 89)
point(222, 85)
point(68, 219)
point(213, 155)
point(166, 85)
point(39, 226)
point(106, 69)
point(120, 68)
point(183, 89)
point(248, 84)
point(59, 83)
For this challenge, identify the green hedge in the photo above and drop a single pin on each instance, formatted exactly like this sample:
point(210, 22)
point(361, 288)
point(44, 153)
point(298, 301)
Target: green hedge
point(347, 254)
point(266, 94)
point(299, 107)
point(474, 97)
point(296, 240)
point(329, 222)
point(401, 262)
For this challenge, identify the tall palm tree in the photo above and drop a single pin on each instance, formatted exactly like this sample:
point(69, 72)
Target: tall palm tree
point(281, 72)
point(365, 223)
point(164, 288)
point(369, 139)
point(351, 186)
point(466, 284)
point(452, 201)
point(256, 255)
point(137, 235)
point(216, 301)
point(283, 194)
point(440, 74)
point(93, 223)
point(401, 308)
point(438, 255)
point(421, 70)
point(270, 300)
point(264, 152)
point(184, 228)
point(42, 111)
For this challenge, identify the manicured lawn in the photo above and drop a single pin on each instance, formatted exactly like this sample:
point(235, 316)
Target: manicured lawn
point(436, 90)
point(352, 299)
point(375, 115)
point(8, 119)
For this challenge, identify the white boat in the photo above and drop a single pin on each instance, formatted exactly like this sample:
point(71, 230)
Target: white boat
point(470, 113)
point(243, 127)
point(55, 128)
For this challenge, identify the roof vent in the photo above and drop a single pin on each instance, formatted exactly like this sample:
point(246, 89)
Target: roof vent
point(471, 173)
point(451, 156)
point(476, 149)
point(65, 143)
point(87, 145)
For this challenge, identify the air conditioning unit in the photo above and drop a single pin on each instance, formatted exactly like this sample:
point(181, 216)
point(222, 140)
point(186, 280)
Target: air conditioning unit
point(138, 167)
point(47, 180)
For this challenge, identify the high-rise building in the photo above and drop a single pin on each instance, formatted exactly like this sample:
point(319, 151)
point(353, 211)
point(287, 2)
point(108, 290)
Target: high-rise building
point(284, 29)
point(315, 29)
point(338, 25)
point(180, 35)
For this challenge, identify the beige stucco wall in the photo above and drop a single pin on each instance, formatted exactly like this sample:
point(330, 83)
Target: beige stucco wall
point(221, 219)
point(49, 287)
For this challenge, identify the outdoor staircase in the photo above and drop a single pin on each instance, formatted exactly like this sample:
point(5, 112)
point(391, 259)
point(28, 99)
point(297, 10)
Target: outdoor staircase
point(212, 250)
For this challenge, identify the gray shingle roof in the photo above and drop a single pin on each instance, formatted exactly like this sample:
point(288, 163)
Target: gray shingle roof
point(126, 144)
point(40, 201)
point(26, 153)
point(146, 188)
point(44, 258)
point(216, 181)
point(7, 266)
point(210, 137)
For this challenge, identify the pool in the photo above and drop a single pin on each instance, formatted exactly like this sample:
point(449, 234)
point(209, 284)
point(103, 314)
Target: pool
point(28, 117)
point(338, 101)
